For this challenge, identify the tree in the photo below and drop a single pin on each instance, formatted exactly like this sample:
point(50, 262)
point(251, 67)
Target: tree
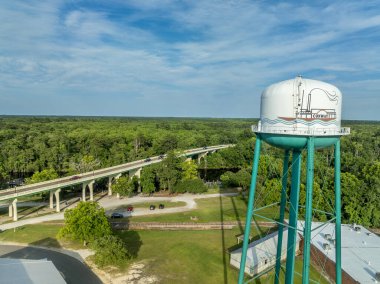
point(166, 143)
point(86, 164)
point(3, 173)
point(169, 172)
point(243, 178)
point(228, 179)
point(189, 170)
point(86, 222)
point(147, 180)
point(124, 186)
point(44, 175)
point(110, 250)
point(190, 185)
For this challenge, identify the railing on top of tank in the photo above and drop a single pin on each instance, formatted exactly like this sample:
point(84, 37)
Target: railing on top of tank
point(300, 130)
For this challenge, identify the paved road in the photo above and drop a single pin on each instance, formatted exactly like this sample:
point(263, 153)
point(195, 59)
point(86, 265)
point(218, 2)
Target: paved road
point(93, 175)
point(110, 203)
point(189, 199)
point(72, 270)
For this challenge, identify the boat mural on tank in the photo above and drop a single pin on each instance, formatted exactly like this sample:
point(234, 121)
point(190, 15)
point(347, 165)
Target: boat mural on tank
point(305, 111)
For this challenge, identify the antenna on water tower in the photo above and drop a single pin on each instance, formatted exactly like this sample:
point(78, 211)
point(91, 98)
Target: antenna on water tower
point(297, 114)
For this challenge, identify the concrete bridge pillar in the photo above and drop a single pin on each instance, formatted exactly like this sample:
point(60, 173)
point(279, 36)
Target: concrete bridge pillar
point(57, 201)
point(14, 205)
point(10, 208)
point(84, 185)
point(110, 178)
point(91, 188)
point(188, 159)
point(200, 156)
point(110, 186)
point(137, 173)
point(51, 201)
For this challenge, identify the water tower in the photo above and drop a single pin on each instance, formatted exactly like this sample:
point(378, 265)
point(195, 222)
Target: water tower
point(298, 114)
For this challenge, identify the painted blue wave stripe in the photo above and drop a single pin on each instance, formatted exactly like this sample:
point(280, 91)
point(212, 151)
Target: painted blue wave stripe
point(301, 122)
point(314, 122)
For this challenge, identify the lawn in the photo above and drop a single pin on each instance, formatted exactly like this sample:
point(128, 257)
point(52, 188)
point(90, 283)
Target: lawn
point(192, 256)
point(24, 212)
point(43, 234)
point(39, 234)
point(215, 209)
point(171, 256)
point(146, 205)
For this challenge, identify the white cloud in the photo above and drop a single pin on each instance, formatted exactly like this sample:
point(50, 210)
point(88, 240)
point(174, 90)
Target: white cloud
point(216, 56)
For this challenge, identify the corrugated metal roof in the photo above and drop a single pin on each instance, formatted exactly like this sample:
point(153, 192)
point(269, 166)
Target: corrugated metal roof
point(360, 249)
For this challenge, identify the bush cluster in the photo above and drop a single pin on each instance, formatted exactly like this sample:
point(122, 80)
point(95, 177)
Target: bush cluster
point(88, 223)
point(191, 186)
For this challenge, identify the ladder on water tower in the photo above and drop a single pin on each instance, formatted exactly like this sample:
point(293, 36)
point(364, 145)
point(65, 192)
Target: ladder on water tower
point(296, 98)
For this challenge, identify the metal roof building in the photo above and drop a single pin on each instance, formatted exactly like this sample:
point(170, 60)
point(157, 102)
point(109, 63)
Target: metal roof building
point(26, 271)
point(261, 254)
point(360, 251)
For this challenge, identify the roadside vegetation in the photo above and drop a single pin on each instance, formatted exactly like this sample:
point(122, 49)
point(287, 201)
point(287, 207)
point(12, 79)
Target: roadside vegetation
point(87, 223)
point(41, 148)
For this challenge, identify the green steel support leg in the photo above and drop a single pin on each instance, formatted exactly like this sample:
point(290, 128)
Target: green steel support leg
point(309, 211)
point(293, 215)
point(338, 246)
point(251, 198)
point(282, 215)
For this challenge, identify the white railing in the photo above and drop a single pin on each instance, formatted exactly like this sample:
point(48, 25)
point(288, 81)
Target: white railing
point(302, 131)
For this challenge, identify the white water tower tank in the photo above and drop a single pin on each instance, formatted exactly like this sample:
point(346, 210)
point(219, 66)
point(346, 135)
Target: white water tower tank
point(301, 107)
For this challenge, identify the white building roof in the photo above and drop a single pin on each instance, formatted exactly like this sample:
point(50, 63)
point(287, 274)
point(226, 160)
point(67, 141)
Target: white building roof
point(261, 254)
point(27, 271)
point(360, 249)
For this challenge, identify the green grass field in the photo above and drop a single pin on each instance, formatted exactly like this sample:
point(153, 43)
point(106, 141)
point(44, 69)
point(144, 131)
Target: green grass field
point(171, 256)
point(176, 256)
point(39, 234)
point(192, 256)
point(146, 205)
point(212, 210)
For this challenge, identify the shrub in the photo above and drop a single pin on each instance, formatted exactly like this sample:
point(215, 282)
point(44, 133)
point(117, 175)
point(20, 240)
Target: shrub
point(85, 223)
point(110, 250)
point(191, 185)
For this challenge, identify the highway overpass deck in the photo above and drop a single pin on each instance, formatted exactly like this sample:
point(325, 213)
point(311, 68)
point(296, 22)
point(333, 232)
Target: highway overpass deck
point(88, 177)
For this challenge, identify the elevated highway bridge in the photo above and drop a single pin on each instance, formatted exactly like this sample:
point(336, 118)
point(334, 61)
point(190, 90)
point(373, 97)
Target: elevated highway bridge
point(88, 179)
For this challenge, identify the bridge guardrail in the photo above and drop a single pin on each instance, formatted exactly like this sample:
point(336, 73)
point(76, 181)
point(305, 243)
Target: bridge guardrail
point(92, 175)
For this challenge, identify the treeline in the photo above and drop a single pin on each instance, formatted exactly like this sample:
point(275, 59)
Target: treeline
point(32, 144)
point(360, 174)
point(175, 174)
point(63, 145)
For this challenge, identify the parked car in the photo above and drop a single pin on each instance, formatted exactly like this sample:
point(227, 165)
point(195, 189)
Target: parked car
point(116, 215)
point(75, 177)
point(205, 147)
point(130, 208)
point(161, 157)
point(148, 160)
point(152, 207)
point(161, 206)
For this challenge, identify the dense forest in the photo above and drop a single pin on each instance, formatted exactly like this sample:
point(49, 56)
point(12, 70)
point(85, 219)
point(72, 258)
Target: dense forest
point(66, 145)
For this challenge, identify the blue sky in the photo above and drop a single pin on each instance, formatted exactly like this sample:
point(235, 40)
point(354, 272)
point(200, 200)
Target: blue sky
point(182, 58)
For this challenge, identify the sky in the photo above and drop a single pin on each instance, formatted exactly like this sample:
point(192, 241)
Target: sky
point(183, 58)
